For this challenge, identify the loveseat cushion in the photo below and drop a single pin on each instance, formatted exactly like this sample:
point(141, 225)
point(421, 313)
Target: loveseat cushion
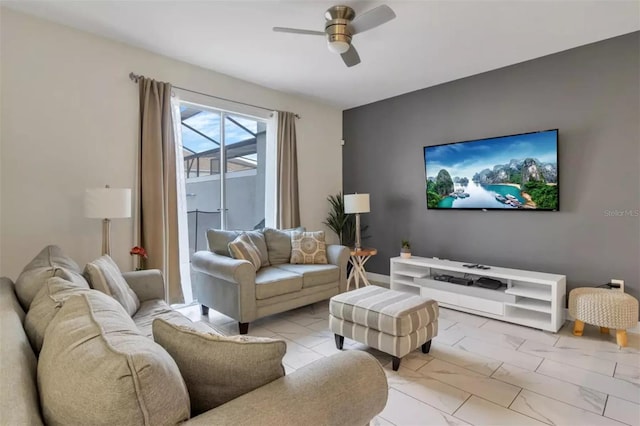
point(46, 305)
point(96, 368)
point(50, 262)
point(279, 244)
point(272, 281)
point(106, 277)
point(216, 368)
point(219, 240)
point(313, 275)
point(152, 309)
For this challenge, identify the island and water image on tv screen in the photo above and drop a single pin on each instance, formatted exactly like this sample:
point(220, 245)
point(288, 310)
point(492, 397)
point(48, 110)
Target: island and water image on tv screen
point(507, 172)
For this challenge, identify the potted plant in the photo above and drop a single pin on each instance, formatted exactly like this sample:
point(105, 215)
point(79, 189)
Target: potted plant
point(405, 250)
point(344, 225)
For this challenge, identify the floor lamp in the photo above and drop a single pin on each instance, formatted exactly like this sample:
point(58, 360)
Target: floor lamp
point(357, 203)
point(107, 203)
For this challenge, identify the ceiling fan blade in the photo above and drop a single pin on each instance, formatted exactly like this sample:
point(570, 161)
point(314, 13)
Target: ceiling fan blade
point(371, 19)
point(351, 57)
point(297, 31)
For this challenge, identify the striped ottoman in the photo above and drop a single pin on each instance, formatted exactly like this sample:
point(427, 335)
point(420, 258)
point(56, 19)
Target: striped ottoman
point(391, 321)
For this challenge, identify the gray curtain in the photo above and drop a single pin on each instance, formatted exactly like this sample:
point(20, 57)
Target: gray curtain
point(288, 207)
point(158, 200)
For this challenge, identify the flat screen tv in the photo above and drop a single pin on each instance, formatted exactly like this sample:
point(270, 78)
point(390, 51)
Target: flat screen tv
point(516, 172)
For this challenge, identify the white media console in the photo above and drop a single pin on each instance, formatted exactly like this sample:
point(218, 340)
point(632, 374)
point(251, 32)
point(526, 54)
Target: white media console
point(534, 299)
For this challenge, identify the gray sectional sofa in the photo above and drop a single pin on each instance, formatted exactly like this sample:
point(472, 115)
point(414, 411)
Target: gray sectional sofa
point(234, 288)
point(124, 377)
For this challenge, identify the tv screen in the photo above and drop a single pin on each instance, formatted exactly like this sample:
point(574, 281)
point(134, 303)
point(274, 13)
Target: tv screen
point(517, 172)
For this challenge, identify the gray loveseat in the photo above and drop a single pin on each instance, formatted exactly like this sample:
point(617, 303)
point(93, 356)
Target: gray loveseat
point(234, 288)
point(345, 389)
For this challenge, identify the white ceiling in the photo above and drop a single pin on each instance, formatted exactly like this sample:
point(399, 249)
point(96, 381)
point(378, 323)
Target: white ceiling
point(430, 42)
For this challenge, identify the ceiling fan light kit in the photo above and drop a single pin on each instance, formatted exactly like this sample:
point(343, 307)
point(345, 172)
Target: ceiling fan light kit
point(341, 25)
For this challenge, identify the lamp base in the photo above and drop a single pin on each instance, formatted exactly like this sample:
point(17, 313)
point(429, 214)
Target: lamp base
point(358, 247)
point(106, 237)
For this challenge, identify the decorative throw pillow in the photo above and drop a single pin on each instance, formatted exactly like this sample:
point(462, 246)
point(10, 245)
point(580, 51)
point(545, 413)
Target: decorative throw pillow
point(243, 248)
point(216, 368)
point(279, 244)
point(219, 242)
point(46, 305)
point(95, 368)
point(308, 248)
point(106, 277)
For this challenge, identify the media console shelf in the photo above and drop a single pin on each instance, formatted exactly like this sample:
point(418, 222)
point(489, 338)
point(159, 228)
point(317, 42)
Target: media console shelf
point(533, 299)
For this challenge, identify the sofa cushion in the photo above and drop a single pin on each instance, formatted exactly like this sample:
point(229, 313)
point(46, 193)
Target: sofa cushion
point(157, 308)
point(272, 281)
point(308, 248)
point(279, 244)
point(45, 306)
point(243, 248)
point(106, 277)
point(216, 368)
point(50, 262)
point(95, 368)
point(313, 275)
point(19, 396)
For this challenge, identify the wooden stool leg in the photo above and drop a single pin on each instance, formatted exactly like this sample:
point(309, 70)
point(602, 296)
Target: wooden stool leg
point(578, 328)
point(621, 338)
point(604, 330)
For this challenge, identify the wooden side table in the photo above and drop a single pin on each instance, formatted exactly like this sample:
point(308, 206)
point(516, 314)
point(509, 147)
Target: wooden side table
point(357, 260)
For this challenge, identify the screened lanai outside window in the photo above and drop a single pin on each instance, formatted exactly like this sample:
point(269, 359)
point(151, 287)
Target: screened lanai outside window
point(224, 171)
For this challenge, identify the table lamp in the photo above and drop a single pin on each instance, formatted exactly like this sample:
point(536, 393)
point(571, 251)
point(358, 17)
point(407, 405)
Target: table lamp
point(107, 203)
point(356, 203)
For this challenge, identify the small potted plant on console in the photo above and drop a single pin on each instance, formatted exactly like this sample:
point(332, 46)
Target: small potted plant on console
point(405, 250)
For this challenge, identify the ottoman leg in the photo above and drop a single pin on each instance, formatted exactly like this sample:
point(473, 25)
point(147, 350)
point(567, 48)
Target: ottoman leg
point(604, 330)
point(339, 341)
point(621, 338)
point(578, 328)
point(426, 347)
point(396, 363)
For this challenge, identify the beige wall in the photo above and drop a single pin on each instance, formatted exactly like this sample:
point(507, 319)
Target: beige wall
point(69, 121)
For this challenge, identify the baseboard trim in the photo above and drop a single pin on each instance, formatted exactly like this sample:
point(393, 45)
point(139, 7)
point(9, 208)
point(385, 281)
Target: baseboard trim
point(380, 278)
point(386, 279)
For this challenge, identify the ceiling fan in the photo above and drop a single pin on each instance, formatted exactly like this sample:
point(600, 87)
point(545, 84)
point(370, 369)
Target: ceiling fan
point(342, 24)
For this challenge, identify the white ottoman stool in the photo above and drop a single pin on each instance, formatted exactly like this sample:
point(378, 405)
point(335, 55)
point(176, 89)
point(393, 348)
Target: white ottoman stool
point(391, 321)
point(604, 308)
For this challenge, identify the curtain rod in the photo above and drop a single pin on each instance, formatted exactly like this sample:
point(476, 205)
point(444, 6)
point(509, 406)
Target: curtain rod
point(135, 77)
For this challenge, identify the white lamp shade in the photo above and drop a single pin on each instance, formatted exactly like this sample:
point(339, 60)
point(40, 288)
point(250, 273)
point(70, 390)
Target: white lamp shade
point(107, 203)
point(356, 203)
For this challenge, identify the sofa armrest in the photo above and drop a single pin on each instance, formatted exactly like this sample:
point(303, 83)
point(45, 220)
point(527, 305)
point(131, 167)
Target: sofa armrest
point(339, 255)
point(349, 388)
point(223, 267)
point(147, 284)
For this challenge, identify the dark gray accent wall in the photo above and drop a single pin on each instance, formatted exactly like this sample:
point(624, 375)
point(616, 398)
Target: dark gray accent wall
point(591, 94)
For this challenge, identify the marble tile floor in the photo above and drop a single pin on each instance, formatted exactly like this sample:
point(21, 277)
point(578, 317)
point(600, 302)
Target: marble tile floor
point(479, 371)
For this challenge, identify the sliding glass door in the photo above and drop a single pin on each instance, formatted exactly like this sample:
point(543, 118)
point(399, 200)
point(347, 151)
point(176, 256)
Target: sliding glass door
point(224, 168)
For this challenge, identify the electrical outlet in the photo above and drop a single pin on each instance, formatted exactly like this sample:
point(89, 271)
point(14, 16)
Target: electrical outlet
point(621, 282)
